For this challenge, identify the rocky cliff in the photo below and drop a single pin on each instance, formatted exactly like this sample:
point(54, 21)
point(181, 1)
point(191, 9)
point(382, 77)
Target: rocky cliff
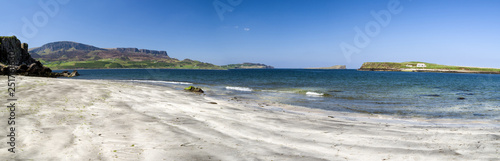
point(146, 51)
point(15, 54)
point(19, 51)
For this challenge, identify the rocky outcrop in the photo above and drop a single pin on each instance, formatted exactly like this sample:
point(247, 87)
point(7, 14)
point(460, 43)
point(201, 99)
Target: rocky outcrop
point(146, 51)
point(127, 50)
point(194, 89)
point(14, 55)
point(19, 52)
point(72, 74)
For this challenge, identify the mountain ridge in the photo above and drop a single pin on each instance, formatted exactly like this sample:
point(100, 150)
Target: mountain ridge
point(74, 55)
point(71, 45)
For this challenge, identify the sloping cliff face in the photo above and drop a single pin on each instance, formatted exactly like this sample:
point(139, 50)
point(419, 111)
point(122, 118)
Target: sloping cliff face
point(15, 53)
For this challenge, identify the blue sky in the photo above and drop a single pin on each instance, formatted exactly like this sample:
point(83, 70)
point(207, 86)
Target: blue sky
point(282, 33)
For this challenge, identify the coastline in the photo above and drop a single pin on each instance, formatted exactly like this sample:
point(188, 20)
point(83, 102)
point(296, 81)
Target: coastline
point(427, 70)
point(415, 66)
point(62, 119)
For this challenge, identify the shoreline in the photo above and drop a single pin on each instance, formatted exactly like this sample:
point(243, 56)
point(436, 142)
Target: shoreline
point(111, 120)
point(269, 105)
point(429, 70)
point(415, 66)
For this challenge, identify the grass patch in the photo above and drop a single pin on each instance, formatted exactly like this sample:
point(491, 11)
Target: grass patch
point(393, 65)
point(117, 63)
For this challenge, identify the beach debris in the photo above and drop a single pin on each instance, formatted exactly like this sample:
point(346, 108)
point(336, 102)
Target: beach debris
point(460, 98)
point(194, 89)
point(186, 144)
point(212, 102)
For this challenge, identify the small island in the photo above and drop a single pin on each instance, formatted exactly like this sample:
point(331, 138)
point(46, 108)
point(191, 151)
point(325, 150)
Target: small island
point(415, 66)
point(247, 66)
point(332, 67)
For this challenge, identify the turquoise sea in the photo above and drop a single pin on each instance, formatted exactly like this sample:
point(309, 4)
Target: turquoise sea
point(400, 94)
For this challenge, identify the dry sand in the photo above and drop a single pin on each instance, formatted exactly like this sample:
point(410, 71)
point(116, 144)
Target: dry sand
point(63, 119)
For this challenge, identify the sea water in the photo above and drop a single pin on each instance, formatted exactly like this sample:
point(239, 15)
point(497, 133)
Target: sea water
point(400, 94)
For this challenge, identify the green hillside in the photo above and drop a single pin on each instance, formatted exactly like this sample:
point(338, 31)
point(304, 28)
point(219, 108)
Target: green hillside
point(110, 63)
point(247, 66)
point(73, 55)
point(413, 65)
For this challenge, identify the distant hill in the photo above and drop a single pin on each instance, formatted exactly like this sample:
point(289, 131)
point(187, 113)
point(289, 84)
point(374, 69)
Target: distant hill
point(248, 66)
point(415, 66)
point(73, 55)
point(72, 51)
point(332, 67)
point(62, 46)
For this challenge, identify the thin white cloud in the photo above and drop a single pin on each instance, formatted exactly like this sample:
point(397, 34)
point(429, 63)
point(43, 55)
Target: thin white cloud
point(246, 29)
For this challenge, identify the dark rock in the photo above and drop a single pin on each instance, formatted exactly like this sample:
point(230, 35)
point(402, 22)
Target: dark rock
point(46, 70)
point(194, 89)
point(22, 68)
point(35, 69)
point(12, 52)
point(461, 98)
point(5, 70)
point(74, 73)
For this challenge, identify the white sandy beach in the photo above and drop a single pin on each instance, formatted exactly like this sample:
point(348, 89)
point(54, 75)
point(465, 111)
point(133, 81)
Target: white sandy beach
point(67, 119)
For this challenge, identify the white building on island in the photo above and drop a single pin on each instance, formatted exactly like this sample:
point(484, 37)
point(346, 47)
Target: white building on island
point(421, 65)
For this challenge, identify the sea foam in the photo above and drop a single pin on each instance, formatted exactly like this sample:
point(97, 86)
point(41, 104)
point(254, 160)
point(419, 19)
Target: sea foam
point(314, 94)
point(165, 82)
point(239, 88)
